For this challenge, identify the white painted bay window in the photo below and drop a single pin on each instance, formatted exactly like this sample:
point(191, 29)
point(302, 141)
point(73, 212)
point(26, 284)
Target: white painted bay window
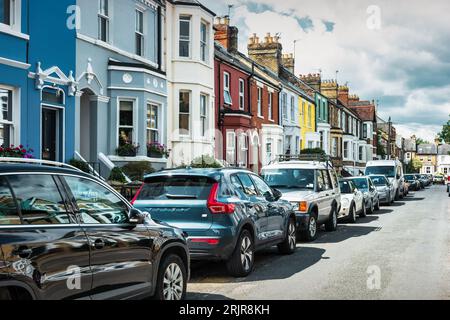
point(243, 150)
point(6, 117)
point(203, 115)
point(231, 147)
point(185, 112)
point(152, 123)
point(126, 122)
point(204, 42)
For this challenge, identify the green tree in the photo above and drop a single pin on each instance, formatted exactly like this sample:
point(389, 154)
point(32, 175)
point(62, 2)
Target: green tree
point(420, 141)
point(445, 133)
point(414, 166)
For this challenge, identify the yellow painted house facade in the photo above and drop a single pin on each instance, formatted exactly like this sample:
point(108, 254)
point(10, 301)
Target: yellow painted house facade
point(307, 112)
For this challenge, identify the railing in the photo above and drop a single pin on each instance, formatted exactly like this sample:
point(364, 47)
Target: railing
point(91, 166)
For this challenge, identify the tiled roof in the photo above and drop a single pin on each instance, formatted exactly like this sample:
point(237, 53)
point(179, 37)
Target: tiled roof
point(444, 149)
point(410, 145)
point(426, 149)
point(365, 109)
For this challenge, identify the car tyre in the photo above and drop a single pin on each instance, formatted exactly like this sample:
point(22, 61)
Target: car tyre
point(377, 207)
point(172, 279)
point(352, 214)
point(331, 224)
point(363, 212)
point(310, 233)
point(289, 245)
point(242, 261)
point(371, 208)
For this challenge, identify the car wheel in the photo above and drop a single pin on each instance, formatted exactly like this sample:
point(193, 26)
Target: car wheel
point(242, 261)
point(352, 214)
point(172, 279)
point(363, 212)
point(377, 207)
point(371, 208)
point(310, 233)
point(331, 224)
point(289, 244)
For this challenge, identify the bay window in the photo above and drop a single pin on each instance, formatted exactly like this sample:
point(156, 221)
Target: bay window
point(152, 123)
point(346, 150)
point(185, 112)
point(126, 122)
point(231, 147)
point(204, 42)
point(243, 150)
point(203, 114)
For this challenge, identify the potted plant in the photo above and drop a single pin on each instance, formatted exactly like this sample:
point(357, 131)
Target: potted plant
point(127, 149)
point(157, 150)
point(16, 152)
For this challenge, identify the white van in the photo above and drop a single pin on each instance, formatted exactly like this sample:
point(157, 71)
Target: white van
point(393, 170)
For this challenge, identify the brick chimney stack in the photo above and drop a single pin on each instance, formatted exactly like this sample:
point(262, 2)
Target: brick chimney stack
point(225, 34)
point(267, 53)
point(313, 80)
point(353, 98)
point(343, 94)
point(329, 89)
point(289, 62)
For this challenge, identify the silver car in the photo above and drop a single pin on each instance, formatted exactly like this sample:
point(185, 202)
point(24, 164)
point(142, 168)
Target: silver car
point(371, 197)
point(386, 191)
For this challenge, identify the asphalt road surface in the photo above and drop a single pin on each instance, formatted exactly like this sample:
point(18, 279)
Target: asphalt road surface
point(400, 252)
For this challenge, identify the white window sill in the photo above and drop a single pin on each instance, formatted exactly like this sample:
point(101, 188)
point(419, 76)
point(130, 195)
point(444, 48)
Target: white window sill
point(9, 30)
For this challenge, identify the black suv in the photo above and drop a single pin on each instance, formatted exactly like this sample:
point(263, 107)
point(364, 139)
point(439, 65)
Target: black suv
point(66, 235)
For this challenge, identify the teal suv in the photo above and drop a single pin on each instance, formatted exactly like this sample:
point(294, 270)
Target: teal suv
point(227, 214)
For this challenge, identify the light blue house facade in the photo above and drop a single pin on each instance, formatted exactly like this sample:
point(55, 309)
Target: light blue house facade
point(120, 73)
point(37, 87)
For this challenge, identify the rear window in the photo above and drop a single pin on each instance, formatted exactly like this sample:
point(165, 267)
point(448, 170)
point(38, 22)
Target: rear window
point(176, 188)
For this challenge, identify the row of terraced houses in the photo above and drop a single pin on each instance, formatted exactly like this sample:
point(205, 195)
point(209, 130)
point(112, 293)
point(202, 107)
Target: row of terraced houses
point(105, 81)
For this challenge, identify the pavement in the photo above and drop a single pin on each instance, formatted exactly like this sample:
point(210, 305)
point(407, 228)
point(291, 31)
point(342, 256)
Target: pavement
point(400, 252)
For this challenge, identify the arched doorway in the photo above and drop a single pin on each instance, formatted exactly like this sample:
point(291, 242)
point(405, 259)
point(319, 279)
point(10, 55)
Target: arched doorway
point(87, 133)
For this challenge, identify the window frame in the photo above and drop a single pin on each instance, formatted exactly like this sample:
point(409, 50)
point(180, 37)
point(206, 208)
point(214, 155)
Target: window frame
point(134, 126)
point(106, 17)
point(139, 33)
point(185, 113)
point(231, 147)
point(241, 94)
point(203, 115)
point(259, 102)
point(227, 99)
point(12, 124)
point(187, 39)
point(270, 106)
point(150, 129)
point(204, 48)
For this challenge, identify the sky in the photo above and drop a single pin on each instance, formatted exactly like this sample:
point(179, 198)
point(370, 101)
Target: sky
point(394, 52)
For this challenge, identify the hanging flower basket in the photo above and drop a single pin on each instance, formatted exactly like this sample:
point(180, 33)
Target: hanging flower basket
point(157, 150)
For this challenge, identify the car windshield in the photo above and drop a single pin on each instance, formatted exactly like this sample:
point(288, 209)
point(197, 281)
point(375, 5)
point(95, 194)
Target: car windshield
point(176, 188)
point(290, 178)
point(388, 171)
point(346, 187)
point(379, 180)
point(361, 184)
point(409, 177)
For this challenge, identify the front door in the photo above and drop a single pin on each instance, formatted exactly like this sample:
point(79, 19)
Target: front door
point(49, 134)
point(121, 253)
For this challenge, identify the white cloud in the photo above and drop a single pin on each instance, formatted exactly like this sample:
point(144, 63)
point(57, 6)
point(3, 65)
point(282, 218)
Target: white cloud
point(401, 59)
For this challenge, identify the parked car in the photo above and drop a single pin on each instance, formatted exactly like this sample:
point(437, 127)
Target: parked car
point(352, 201)
point(425, 180)
point(438, 179)
point(386, 192)
point(393, 170)
point(227, 214)
point(414, 183)
point(58, 224)
point(421, 181)
point(371, 198)
point(312, 187)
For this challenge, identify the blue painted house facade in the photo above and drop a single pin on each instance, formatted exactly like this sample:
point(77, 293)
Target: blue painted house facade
point(121, 80)
point(37, 86)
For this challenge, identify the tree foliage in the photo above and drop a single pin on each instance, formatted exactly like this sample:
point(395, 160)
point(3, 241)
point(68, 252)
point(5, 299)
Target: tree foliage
point(445, 133)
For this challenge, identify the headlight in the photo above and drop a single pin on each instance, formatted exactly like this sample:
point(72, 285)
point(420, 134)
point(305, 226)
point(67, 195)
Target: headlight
point(301, 206)
point(345, 202)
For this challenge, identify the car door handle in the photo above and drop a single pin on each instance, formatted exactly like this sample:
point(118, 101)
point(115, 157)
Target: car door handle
point(99, 244)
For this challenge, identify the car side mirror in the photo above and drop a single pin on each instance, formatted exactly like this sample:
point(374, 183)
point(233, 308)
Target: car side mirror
point(276, 194)
point(138, 217)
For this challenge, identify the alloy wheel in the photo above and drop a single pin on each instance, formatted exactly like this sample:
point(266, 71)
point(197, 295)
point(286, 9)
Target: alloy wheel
point(246, 253)
point(312, 226)
point(292, 236)
point(173, 282)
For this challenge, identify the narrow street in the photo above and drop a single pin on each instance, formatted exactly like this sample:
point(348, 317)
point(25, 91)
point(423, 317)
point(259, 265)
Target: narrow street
point(408, 243)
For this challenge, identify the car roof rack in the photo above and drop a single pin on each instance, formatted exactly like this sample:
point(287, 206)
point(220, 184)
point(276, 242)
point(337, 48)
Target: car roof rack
point(38, 161)
point(305, 157)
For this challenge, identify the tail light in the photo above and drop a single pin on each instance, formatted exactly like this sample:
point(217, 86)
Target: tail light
point(210, 241)
point(217, 207)
point(137, 194)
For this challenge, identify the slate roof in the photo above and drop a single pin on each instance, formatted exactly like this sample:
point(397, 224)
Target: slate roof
point(427, 149)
